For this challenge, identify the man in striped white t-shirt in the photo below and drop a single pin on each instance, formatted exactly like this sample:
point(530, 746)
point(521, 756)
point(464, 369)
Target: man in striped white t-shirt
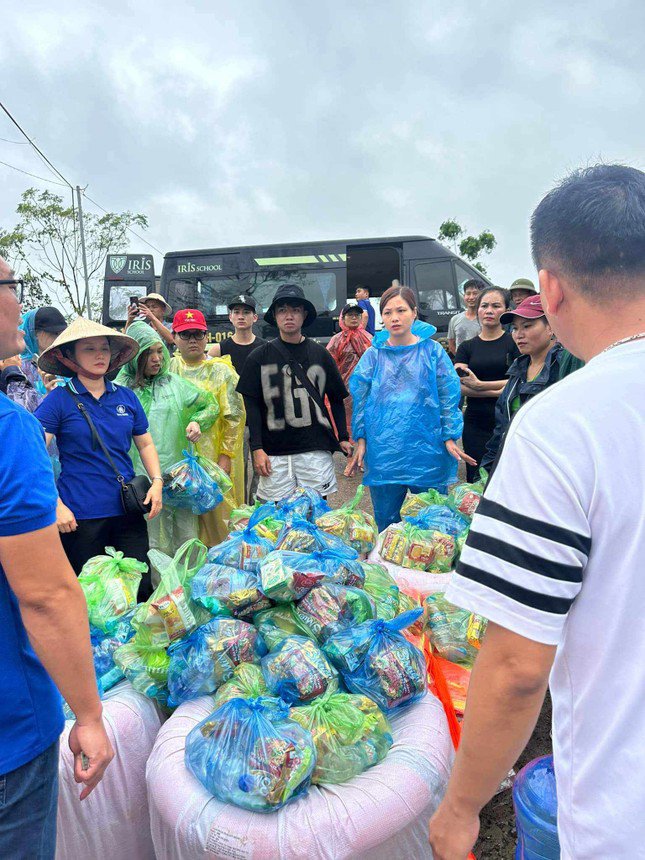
point(556, 553)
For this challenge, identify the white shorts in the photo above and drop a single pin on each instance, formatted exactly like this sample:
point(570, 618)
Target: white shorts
point(315, 469)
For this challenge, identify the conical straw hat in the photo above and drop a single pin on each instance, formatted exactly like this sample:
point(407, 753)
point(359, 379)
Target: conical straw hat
point(124, 348)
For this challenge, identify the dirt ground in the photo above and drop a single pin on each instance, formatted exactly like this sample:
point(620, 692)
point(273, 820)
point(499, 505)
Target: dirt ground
point(497, 835)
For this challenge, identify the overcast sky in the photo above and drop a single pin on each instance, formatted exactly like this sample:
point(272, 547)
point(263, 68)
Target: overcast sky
point(231, 123)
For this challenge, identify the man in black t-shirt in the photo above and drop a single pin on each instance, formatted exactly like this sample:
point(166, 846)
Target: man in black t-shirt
point(242, 312)
point(291, 435)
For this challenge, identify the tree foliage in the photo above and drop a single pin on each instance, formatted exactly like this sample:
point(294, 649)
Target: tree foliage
point(467, 246)
point(45, 246)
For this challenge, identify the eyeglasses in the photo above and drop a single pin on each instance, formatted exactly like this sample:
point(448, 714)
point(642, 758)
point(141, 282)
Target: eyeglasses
point(192, 335)
point(18, 285)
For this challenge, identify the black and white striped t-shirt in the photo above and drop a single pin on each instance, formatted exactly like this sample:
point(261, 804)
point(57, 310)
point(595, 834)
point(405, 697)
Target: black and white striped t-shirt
point(556, 553)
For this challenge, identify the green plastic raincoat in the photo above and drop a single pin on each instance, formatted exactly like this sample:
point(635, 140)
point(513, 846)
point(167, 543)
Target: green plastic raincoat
point(226, 436)
point(170, 403)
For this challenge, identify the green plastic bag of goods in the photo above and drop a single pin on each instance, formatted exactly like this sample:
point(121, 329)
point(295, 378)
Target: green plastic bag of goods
point(170, 613)
point(247, 683)
point(350, 733)
point(415, 502)
point(277, 623)
point(145, 664)
point(110, 583)
point(382, 589)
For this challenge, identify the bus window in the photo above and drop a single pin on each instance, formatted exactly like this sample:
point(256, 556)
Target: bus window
point(120, 299)
point(318, 287)
point(375, 266)
point(463, 274)
point(435, 286)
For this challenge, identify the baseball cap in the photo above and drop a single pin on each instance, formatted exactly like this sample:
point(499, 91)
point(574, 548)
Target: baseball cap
point(351, 307)
point(523, 284)
point(529, 308)
point(50, 319)
point(156, 297)
point(189, 320)
point(243, 299)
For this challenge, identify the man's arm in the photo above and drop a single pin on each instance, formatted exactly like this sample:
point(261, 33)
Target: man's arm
point(505, 696)
point(215, 351)
point(452, 345)
point(54, 612)
point(157, 325)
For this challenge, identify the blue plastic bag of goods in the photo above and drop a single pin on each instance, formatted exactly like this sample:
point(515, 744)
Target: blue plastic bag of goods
point(251, 754)
point(201, 662)
point(440, 518)
point(226, 590)
point(376, 660)
point(303, 504)
point(298, 671)
point(243, 550)
point(195, 483)
point(103, 647)
point(303, 536)
point(286, 575)
point(327, 609)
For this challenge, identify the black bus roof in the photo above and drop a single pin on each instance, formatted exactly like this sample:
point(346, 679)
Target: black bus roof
point(373, 241)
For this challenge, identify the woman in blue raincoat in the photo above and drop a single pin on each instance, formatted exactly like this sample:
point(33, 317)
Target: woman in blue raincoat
point(406, 410)
point(41, 327)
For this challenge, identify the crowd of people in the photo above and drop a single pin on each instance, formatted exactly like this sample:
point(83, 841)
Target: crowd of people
point(112, 411)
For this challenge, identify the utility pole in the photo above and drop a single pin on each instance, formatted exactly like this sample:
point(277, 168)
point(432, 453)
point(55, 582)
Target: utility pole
point(82, 232)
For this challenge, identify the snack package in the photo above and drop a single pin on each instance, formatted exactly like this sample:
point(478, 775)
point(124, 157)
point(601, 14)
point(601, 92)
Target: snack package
point(110, 583)
point(374, 659)
point(410, 544)
point(145, 664)
point(268, 524)
point(298, 671)
point(464, 498)
point(201, 662)
point(414, 503)
point(195, 483)
point(355, 527)
point(383, 590)
point(440, 518)
point(303, 504)
point(224, 590)
point(447, 628)
point(249, 753)
point(247, 682)
point(287, 576)
point(104, 646)
point(303, 536)
point(350, 733)
point(275, 624)
point(327, 609)
point(243, 550)
point(169, 612)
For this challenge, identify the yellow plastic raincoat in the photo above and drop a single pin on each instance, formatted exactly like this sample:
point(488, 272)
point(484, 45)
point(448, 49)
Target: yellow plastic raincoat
point(226, 436)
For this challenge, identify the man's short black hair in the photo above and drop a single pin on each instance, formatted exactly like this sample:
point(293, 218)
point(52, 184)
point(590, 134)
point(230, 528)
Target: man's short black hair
point(473, 282)
point(591, 227)
point(362, 287)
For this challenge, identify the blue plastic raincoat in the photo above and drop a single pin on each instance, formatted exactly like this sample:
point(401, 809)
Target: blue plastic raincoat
point(29, 353)
point(406, 405)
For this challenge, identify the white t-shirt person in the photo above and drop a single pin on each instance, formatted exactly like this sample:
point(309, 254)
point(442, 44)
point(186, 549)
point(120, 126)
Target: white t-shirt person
point(556, 553)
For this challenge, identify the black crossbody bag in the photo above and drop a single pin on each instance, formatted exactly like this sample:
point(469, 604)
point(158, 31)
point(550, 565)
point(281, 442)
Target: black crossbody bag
point(133, 492)
point(314, 395)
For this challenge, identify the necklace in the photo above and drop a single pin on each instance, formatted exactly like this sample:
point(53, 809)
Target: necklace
point(639, 336)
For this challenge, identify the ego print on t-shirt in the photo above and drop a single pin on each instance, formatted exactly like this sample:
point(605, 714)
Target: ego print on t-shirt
point(287, 402)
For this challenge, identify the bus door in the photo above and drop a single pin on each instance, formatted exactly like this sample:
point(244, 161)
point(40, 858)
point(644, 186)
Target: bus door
point(127, 276)
point(437, 284)
point(375, 266)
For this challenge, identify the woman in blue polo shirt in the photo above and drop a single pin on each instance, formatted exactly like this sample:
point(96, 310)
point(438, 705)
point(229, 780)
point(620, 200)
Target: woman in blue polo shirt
point(90, 513)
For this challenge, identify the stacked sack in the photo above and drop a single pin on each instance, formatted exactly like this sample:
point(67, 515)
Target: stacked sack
point(298, 641)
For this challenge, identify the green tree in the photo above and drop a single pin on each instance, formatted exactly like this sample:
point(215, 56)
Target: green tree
point(45, 245)
point(467, 246)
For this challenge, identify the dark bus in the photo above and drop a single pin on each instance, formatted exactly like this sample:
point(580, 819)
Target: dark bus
point(328, 272)
point(126, 276)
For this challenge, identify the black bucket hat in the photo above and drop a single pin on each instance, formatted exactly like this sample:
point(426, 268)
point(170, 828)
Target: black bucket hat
point(291, 293)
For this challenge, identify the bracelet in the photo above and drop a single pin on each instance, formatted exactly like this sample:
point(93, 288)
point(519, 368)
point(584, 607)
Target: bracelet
point(157, 478)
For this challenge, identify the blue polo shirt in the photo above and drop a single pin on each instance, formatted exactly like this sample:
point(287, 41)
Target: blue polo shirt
point(31, 714)
point(366, 305)
point(87, 483)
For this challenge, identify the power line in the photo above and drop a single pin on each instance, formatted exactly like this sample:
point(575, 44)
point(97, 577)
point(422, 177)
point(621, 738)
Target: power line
point(35, 176)
point(18, 142)
point(40, 153)
point(129, 229)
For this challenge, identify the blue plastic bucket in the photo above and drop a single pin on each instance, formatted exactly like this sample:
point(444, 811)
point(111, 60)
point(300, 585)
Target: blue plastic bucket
point(536, 806)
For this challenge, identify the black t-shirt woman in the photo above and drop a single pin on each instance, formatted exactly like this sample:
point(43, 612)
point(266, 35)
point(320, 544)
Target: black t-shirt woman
point(484, 361)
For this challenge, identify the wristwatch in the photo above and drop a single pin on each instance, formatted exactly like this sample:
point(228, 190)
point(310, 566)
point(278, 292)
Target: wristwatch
point(157, 478)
